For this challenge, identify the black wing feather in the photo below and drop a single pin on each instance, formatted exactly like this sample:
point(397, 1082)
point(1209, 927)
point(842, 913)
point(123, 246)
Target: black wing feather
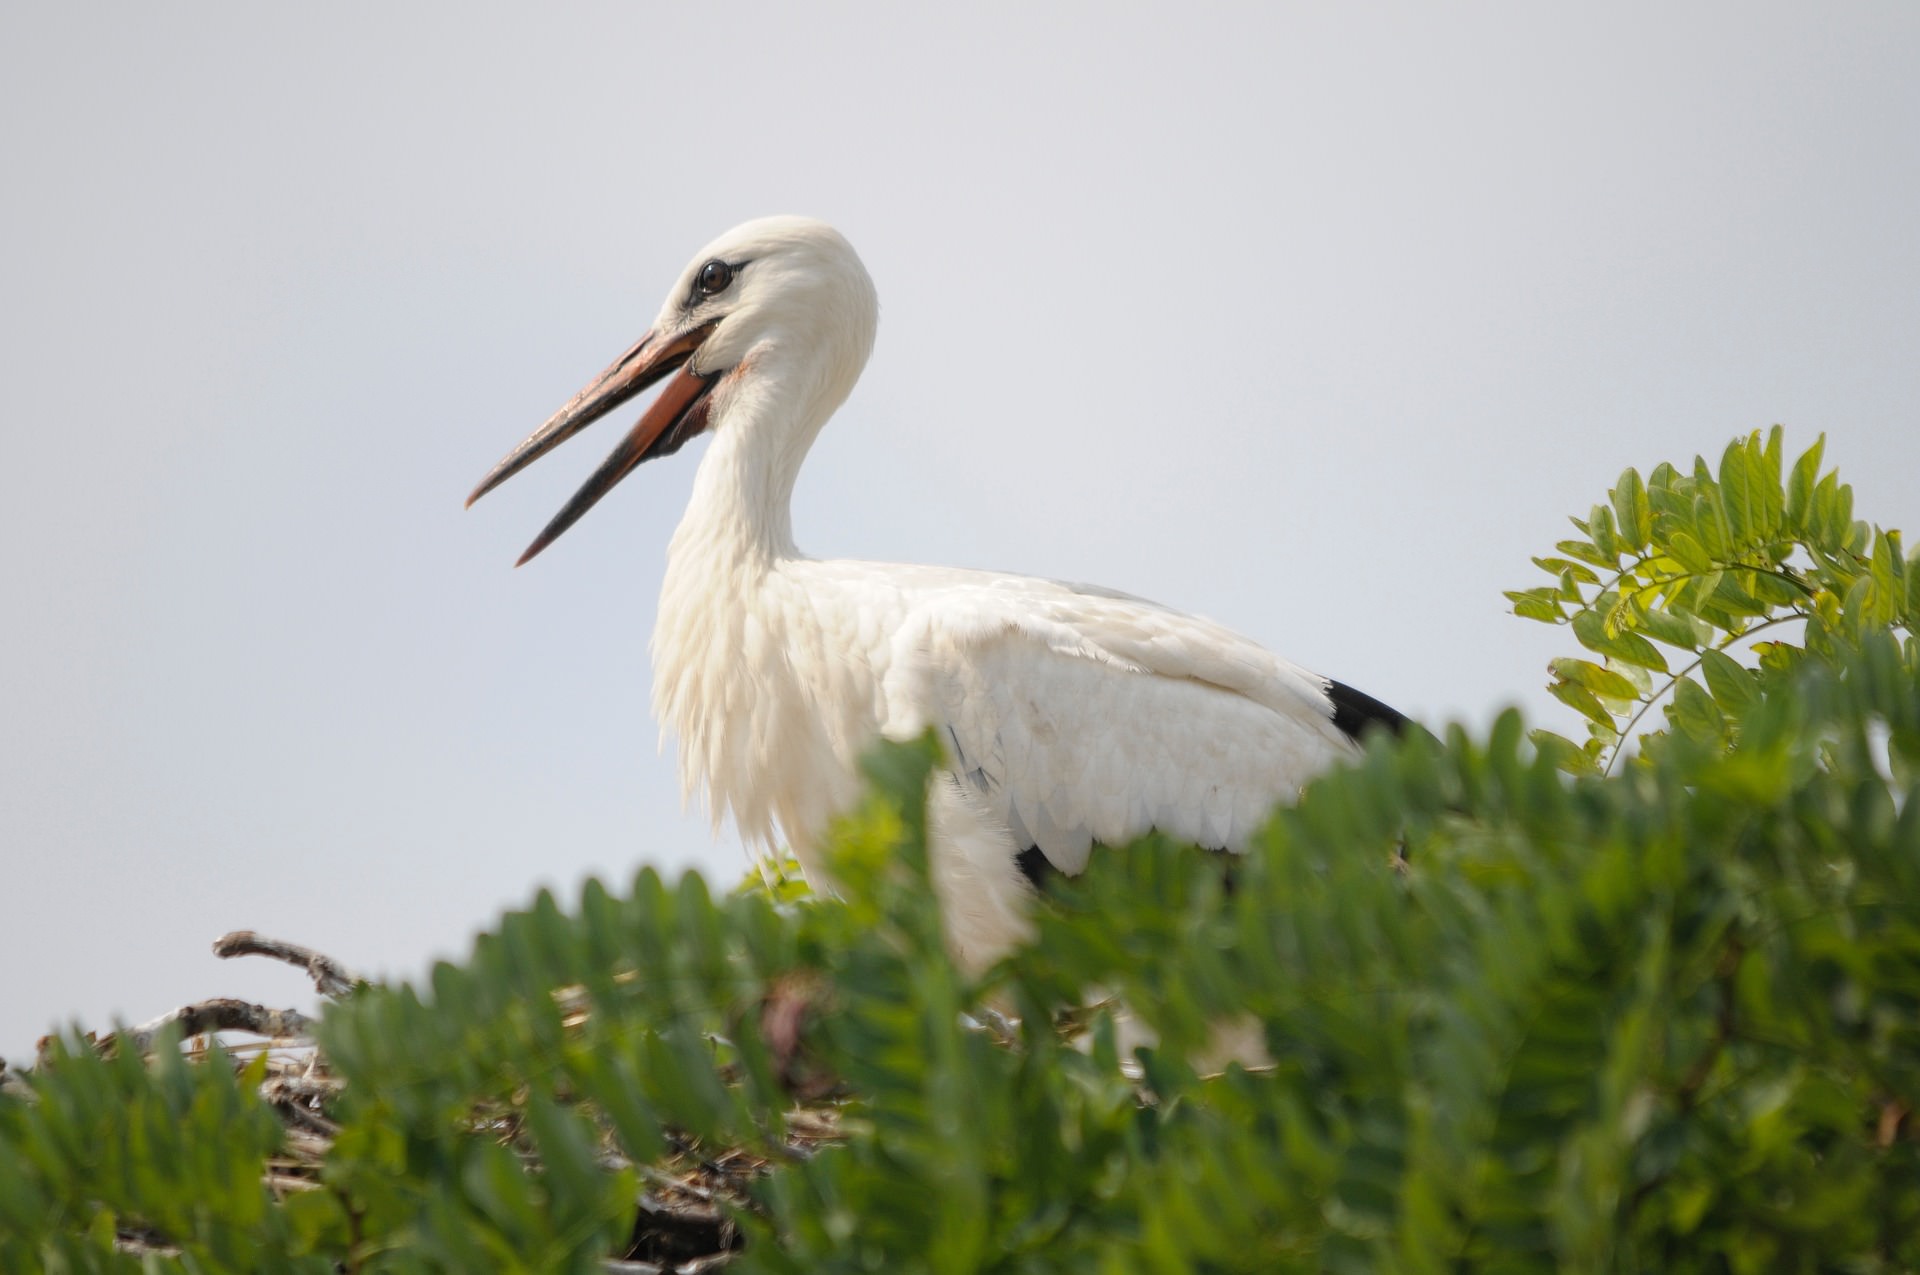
point(1354, 711)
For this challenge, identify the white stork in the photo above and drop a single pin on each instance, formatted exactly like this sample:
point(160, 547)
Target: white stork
point(1072, 715)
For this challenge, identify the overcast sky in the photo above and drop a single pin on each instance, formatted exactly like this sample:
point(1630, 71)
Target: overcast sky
point(1317, 320)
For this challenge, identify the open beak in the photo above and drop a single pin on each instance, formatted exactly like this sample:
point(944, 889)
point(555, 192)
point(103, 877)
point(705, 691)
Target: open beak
point(676, 415)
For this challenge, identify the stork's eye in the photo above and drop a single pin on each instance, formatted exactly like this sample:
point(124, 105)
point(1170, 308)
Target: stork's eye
point(714, 278)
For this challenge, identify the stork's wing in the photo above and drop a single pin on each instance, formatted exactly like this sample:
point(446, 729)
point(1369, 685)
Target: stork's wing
point(1078, 715)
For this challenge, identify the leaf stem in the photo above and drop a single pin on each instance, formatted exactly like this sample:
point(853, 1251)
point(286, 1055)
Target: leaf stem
point(1675, 679)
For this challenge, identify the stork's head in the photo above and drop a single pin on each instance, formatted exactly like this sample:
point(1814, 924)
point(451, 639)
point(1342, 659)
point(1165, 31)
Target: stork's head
point(780, 293)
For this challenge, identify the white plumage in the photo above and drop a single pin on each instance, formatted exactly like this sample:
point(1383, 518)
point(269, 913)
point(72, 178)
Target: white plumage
point(1072, 715)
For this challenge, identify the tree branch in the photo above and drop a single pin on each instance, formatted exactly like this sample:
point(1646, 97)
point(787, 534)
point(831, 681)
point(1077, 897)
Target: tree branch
point(222, 1014)
point(330, 978)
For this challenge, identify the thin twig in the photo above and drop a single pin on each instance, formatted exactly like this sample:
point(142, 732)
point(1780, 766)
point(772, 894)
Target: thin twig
point(667, 1181)
point(330, 978)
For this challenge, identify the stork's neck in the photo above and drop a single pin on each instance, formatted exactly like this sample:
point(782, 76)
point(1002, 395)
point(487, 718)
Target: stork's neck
point(740, 512)
point(766, 414)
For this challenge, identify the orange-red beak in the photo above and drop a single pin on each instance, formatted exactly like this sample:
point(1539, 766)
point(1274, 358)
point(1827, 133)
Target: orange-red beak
point(679, 413)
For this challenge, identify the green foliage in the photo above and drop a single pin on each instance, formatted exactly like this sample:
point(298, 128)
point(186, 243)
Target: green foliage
point(1701, 563)
point(1665, 1019)
point(173, 1148)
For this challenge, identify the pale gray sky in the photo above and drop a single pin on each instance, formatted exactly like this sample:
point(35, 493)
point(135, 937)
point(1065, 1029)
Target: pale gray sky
point(1315, 319)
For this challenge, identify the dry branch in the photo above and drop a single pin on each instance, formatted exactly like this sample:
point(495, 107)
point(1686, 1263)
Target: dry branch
point(218, 1015)
point(330, 978)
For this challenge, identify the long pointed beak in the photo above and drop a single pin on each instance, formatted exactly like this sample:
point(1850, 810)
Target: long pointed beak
point(679, 413)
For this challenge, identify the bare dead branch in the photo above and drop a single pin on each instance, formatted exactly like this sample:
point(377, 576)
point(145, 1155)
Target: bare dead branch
point(217, 1015)
point(330, 978)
